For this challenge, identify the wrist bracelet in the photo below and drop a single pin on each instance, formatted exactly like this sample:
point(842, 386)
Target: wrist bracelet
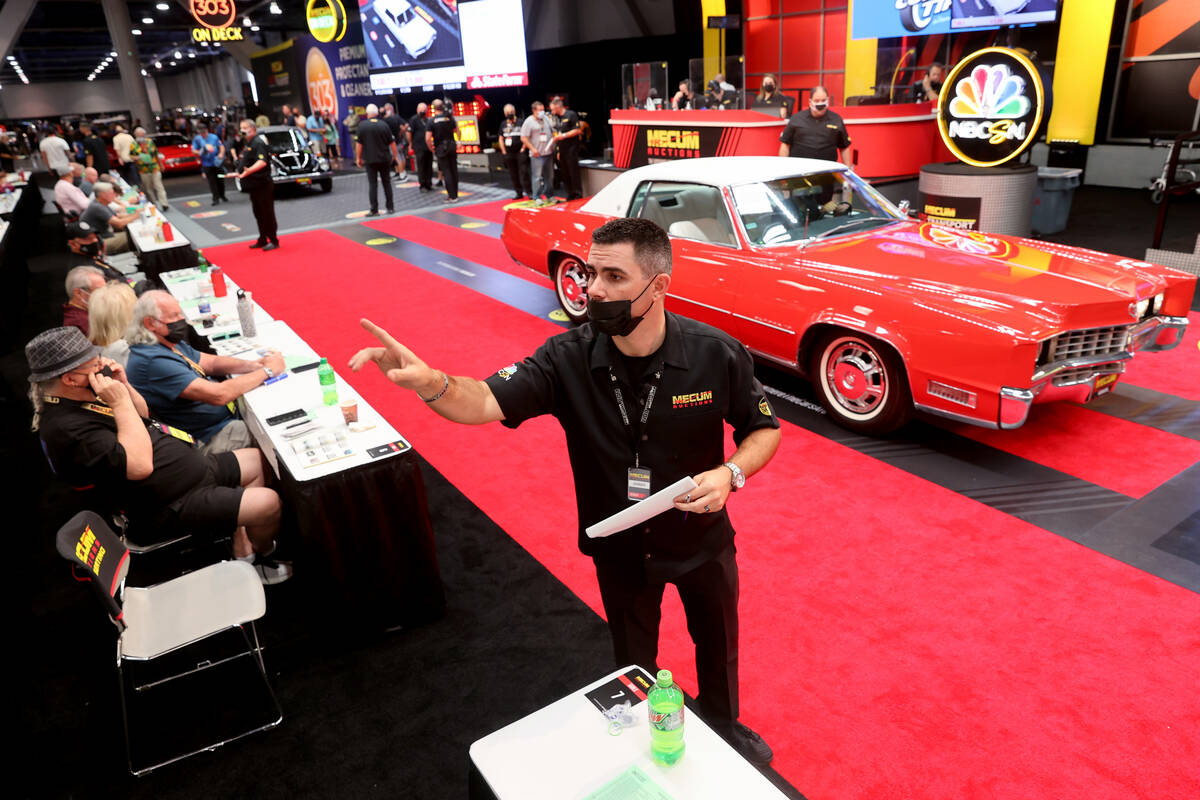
point(445, 387)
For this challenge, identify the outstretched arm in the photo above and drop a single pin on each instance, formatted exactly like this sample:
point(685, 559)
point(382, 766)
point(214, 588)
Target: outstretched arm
point(464, 400)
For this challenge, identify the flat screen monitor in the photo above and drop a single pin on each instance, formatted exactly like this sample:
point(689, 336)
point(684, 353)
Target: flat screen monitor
point(990, 13)
point(427, 45)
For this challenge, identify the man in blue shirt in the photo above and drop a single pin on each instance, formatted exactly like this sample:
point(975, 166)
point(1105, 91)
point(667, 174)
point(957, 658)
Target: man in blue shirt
point(212, 155)
point(177, 381)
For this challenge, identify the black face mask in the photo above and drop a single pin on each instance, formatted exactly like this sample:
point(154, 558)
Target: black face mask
point(91, 249)
point(615, 317)
point(768, 87)
point(176, 331)
point(511, 116)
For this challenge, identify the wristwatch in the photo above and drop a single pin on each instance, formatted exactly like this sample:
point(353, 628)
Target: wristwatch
point(738, 480)
point(269, 373)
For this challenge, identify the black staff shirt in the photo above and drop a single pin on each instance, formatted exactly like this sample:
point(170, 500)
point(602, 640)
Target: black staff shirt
point(417, 126)
point(256, 150)
point(510, 132)
point(706, 379)
point(443, 128)
point(569, 121)
point(810, 137)
point(376, 139)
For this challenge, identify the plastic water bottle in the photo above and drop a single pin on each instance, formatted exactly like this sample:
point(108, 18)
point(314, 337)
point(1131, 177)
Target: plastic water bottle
point(245, 308)
point(328, 383)
point(665, 703)
point(204, 287)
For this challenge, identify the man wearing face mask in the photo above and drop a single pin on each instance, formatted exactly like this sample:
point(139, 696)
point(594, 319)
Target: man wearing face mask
point(643, 397)
point(537, 136)
point(515, 157)
point(254, 171)
point(439, 137)
point(815, 132)
point(177, 381)
point(422, 155)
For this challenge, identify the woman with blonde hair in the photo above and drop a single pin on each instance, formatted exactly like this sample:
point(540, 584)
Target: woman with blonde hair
point(110, 309)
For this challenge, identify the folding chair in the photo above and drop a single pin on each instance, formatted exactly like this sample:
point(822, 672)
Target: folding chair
point(169, 617)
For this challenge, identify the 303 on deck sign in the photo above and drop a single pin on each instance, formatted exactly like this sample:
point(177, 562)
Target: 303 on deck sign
point(213, 13)
point(991, 106)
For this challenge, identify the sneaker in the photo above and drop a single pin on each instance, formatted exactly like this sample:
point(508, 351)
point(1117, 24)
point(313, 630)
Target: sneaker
point(374, 212)
point(750, 745)
point(451, 199)
point(258, 244)
point(271, 571)
point(270, 246)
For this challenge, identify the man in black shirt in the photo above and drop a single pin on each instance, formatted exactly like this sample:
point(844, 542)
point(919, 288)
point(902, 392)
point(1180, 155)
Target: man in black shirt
point(97, 431)
point(375, 150)
point(815, 132)
point(96, 153)
point(422, 155)
point(643, 397)
point(399, 129)
point(513, 149)
point(440, 139)
point(254, 171)
point(566, 135)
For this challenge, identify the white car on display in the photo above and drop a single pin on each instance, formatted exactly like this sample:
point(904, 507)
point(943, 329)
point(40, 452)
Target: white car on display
point(409, 27)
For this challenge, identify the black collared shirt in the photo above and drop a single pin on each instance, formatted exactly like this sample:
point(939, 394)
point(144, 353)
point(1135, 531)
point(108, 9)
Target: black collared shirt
point(418, 125)
point(810, 137)
point(443, 128)
point(256, 150)
point(376, 140)
point(569, 121)
point(707, 379)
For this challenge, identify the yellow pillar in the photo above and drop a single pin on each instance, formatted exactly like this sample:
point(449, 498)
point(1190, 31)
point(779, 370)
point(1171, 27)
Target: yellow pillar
point(860, 61)
point(714, 40)
point(1083, 33)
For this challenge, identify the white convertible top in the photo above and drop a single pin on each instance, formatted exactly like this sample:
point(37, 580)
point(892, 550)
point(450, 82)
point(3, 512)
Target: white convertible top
point(613, 200)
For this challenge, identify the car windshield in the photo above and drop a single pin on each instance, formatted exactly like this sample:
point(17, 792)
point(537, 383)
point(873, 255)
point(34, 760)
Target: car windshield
point(164, 139)
point(807, 207)
point(285, 141)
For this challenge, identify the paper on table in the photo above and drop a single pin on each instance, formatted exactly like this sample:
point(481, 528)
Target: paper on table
point(632, 784)
point(641, 511)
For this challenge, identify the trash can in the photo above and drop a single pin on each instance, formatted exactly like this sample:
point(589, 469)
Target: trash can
point(1052, 199)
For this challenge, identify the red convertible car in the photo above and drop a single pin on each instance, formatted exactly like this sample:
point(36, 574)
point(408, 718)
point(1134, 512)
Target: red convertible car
point(817, 272)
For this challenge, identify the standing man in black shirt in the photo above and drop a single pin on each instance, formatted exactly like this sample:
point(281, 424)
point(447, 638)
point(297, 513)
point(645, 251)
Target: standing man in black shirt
point(422, 155)
point(515, 157)
point(399, 129)
point(254, 171)
point(566, 135)
point(96, 154)
point(375, 150)
point(643, 397)
point(815, 132)
point(440, 139)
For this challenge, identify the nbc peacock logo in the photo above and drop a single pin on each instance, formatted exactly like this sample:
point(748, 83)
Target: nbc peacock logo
point(995, 107)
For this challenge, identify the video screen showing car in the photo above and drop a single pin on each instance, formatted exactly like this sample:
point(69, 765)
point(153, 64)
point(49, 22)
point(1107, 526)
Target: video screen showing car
point(419, 37)
point(988, 13)
point(443, 44)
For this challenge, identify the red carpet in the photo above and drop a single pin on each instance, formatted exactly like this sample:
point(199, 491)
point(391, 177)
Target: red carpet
point(477, 247)
point(899, 640)
point(1114, 453)
point(492, 211)
point(1176, 371)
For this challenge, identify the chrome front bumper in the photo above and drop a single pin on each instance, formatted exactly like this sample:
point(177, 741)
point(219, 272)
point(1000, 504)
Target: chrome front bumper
point(305, 176)
point(1083, 379)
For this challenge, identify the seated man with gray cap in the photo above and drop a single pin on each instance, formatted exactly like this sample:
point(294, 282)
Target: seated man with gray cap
point(96, 430)
point(175, 378)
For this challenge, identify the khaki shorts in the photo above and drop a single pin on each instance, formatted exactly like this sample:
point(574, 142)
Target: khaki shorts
point(233, 436)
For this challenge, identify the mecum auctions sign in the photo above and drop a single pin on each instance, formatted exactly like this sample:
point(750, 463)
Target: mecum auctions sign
point(991, 106)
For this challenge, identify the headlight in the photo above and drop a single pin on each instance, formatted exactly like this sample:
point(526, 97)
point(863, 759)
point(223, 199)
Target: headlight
point(1157, 303)
point(1143, 306)
point(323, 163)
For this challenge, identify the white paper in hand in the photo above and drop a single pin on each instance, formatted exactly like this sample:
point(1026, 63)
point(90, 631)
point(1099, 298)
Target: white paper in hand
point(641, 511)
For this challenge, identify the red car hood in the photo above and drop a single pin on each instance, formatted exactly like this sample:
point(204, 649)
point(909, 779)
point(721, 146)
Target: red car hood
point(175, 151)
point(992, 272)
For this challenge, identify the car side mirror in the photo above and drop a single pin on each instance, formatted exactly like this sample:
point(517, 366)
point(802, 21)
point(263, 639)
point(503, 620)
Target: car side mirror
point(907, 210)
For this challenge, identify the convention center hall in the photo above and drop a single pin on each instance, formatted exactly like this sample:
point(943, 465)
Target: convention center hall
point(606, 400)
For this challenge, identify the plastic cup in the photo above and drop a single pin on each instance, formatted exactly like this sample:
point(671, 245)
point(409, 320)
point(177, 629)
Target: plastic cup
point(349, 410)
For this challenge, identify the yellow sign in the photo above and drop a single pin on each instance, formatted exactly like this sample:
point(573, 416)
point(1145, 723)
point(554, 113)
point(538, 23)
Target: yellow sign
point(217, 35)
point(326, 20)
point(683, 140)
point(990, 106)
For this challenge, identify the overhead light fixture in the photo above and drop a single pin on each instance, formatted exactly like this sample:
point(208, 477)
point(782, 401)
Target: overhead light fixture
point(148, 20)
point(191, 54)
point(144, 72)
point(136, 31)
point(254, 28)
point(246, 23)
point(163, 6)
point(158, 65)
point(204, 44)
point(170, 63)
point(113, 54)
point(274, 8)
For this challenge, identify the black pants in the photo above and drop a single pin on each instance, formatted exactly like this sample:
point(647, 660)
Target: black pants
point(128, 172)
point(448, 164)
point(215, 184)
point(424, 158)
point(262, 200)
point(568, 163)
point(709, 593)
point(381, 171)
point(518, 171)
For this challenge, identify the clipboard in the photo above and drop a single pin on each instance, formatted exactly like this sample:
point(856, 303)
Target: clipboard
point(641, 511)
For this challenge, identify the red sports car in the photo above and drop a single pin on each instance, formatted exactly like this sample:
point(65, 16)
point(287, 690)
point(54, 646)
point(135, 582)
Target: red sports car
point(814, 270)
point(176, 152)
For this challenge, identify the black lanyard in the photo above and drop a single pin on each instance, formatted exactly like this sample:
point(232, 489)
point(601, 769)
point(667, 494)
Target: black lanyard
point(637, 431)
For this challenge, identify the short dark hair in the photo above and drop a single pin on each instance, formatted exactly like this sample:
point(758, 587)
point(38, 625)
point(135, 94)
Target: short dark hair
point(651, 245)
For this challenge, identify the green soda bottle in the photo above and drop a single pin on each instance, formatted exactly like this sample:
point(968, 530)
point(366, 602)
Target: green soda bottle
point(328, 383)
point(665, 703)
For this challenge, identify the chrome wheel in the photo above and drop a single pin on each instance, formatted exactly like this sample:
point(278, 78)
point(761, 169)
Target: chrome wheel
point(861, 382)
point(570, 283)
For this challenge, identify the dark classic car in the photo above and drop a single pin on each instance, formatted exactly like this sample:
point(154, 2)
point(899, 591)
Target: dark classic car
point(293, 161)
